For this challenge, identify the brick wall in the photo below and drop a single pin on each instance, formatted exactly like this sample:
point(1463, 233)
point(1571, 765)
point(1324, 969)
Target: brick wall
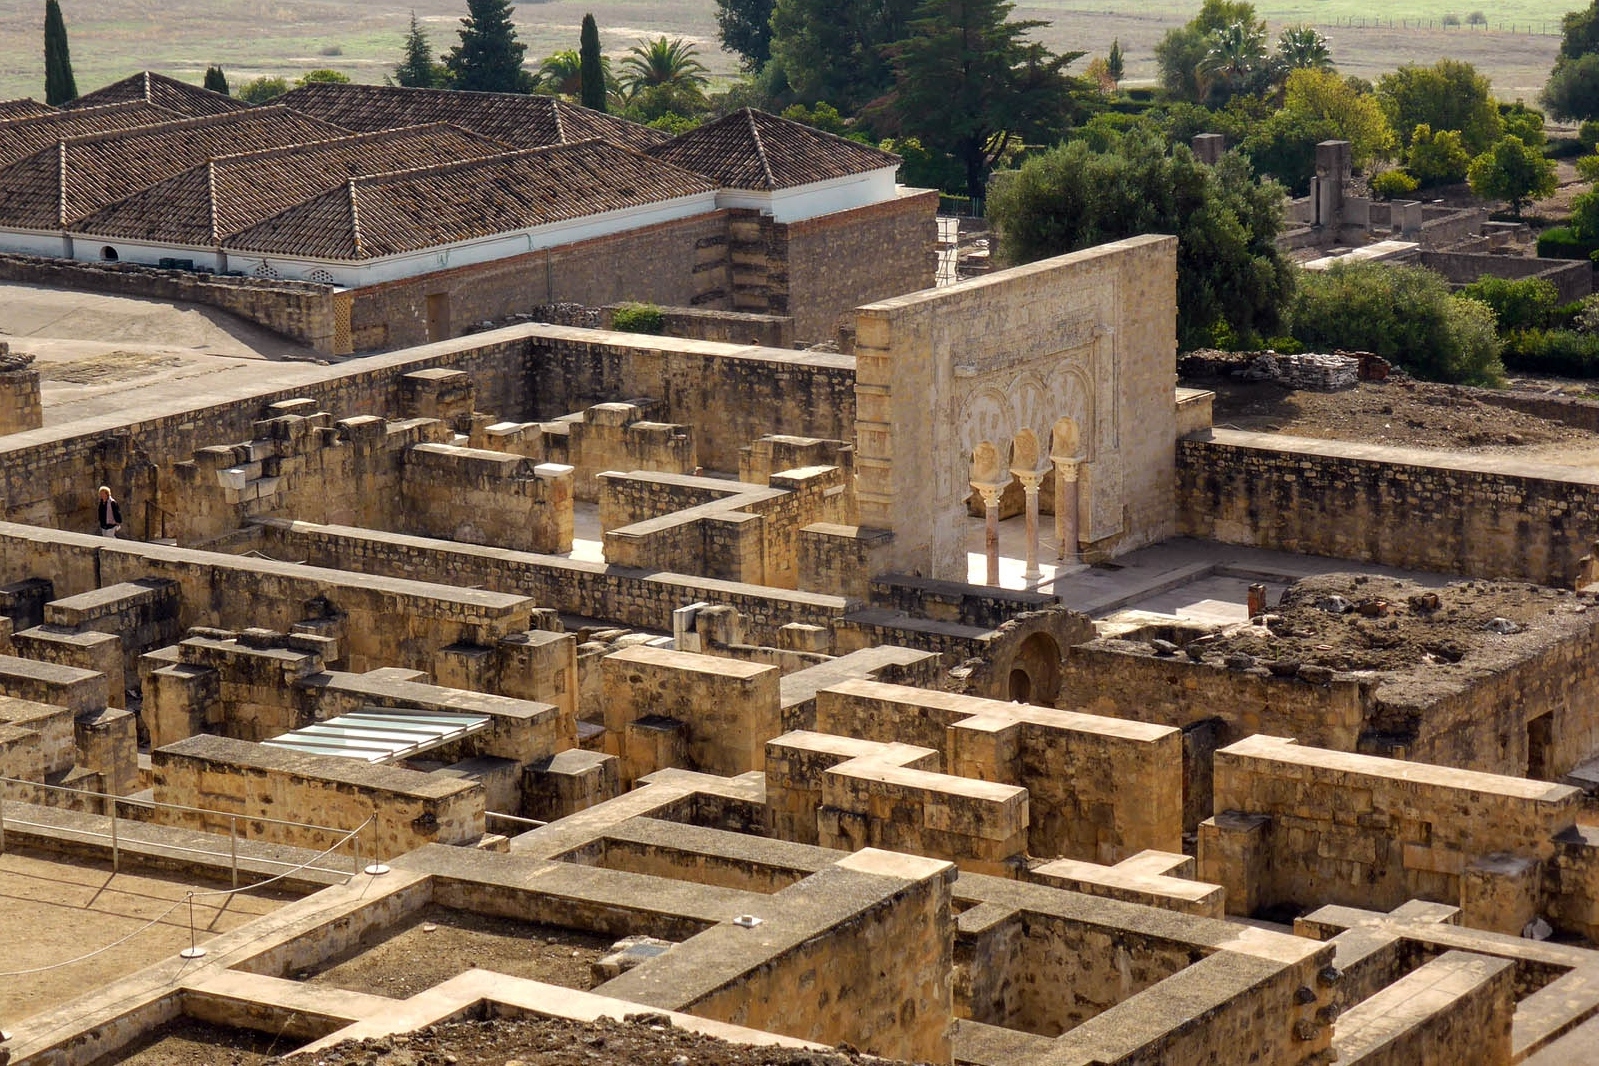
point(683, 262)
point(1485, 517)
point(819, 269)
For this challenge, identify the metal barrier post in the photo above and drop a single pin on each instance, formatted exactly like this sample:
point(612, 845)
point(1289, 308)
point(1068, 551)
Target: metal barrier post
point(2, 826)
point(116, 854)
point(233, 847)
point(377, 866)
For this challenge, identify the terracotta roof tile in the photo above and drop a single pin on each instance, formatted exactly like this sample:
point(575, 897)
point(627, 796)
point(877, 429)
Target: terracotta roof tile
point(750, 149)
point(56, 186)
point(152, 88)
point(206, 204)
point(389, 214)
point(23, 108)
point(517, 120)
point(21, 137)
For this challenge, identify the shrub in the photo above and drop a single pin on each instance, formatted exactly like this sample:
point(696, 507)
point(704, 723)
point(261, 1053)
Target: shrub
point(1404, 314)
point(1392, 183)
point(1284, 345)
point(1588, 134)
point(1527, 303)
point(1562, 352)
point(638, 318)
point(1559, 242)
point(1451, 20)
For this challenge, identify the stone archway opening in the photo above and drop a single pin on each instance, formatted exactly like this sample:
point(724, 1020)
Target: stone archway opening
point(1035, 671)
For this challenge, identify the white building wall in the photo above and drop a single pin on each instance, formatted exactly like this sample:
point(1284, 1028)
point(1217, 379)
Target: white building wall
point(816, 199)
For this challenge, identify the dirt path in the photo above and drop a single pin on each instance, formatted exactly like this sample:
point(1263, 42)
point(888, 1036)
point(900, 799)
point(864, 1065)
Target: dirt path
point(55, 911)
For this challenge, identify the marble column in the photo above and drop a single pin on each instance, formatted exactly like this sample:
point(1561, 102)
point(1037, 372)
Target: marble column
point(1066, 504)
point(1030, 480)
point(991, 494)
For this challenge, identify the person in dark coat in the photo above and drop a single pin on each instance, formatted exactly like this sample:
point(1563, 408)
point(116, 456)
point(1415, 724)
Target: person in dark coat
point(110, 514)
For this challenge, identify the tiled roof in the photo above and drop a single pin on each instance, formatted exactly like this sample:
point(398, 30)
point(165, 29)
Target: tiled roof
point(389, 214)
point(174, 95)
point(21, 137)
point(23, 108)
point(517, 120)
point(750, 149)
point(58, 185)
point(208, 203)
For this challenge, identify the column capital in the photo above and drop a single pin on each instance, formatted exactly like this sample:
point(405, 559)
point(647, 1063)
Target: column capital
point(989, 491)
point(1066, 468)
point(1030, 479)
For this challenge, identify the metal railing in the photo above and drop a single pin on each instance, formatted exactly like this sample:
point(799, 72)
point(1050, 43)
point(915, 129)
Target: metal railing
point(114, 803)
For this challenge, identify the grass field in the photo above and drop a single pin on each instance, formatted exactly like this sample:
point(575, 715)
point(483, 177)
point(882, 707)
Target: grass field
point(112, 38)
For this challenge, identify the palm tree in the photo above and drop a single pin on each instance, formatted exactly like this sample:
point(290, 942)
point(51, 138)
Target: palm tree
point(662, 61)
point(1236, 52)
point(562, 73)
point(1303, 48)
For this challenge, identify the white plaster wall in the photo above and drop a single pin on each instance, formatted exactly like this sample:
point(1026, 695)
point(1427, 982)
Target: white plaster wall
point(816, 199)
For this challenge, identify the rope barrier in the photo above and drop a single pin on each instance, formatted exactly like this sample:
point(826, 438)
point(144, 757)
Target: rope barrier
point(193, 951)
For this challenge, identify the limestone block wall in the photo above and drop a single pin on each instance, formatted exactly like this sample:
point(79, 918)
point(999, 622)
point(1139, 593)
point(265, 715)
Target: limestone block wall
point(1071, 357)
point(142, 614)
point(36, 739)
point(644, 598)
point(725, 530)
point(484, 497)
point(727, 709)
point(1099, 789)
point(78, 690)
point(20, 409)
point(1300, 826)
point(730, 327)
point(859, 952)
point(1474, 515)
point(254, 781)
point(616, 436)
point(858, 794)
point(752, 391)
point(301, 311)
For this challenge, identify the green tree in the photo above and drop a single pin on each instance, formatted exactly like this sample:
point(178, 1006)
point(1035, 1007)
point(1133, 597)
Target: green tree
point(489, 57)
point(1351, 115)
point(662, 61)
point(59, 85)
point(1115, 64)
point(321, 77)
point(664, 106)
point(1180, 53)
point(1449, 95)
point(968, 83)
point(1404, 314)
point(834, 50)
point(745, 27)
point(1303, 48)
point(260, 90)
point(1513, 171)
point(1436, 158)
point(562, 74)
point(1520, 121)
point(1579, 33)
point(1230, 275)
point(215, 80)
point(418, 69)
point(592, 70)
point(1237, 53)
point(1572, 92)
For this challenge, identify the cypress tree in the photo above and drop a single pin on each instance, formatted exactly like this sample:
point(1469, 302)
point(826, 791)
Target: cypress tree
point(59, 86)
point(489, 57)
point(418, 70)
point(215, 80)
point(593, 68)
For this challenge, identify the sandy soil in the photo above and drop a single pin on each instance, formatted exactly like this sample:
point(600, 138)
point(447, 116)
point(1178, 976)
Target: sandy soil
point(56, 911)
point(646, 1040)
point(437, 944)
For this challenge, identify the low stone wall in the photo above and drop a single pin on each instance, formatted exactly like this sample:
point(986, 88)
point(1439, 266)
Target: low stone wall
point(301, 311)
point(1572, 280)
point(729, 327)
point(237, 777)
point(1455, 513)
point(631, 597)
